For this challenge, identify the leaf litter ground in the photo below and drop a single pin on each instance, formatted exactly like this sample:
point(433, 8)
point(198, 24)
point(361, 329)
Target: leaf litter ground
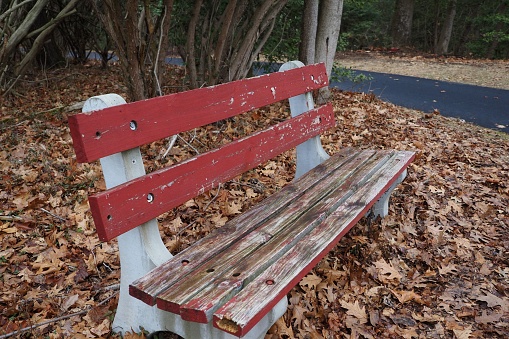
point(436, 267)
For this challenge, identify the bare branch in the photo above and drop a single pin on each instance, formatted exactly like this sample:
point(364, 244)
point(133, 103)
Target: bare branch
point(21, 32)
point(15, 7)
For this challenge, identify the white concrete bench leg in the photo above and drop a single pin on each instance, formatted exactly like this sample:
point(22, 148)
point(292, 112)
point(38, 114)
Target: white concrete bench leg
point(381, 207)
point(133, 315)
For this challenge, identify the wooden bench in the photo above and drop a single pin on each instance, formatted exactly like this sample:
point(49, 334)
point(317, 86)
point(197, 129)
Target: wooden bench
point(234, 281)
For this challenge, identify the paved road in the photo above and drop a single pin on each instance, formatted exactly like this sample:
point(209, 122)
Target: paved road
point(487, 107)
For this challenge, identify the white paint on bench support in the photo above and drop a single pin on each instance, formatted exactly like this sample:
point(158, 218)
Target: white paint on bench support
point(381, 207)
point(142, 249)
point(310, 153)
point(118, 169)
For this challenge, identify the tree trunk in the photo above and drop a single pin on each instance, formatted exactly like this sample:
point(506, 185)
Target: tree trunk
point(446, 32)
point(329, 23)
point(140, 43)
point(190, 44)
point(308, 32)
point(401, 27)
point(224, 38)
point(21, 31)
point(499, 27)
point(221, 40)
point(244, 56)
point(17, 31)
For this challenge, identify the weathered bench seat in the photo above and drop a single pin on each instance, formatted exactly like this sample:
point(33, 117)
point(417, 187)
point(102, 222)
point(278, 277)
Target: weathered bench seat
point(235, 280)
point(259, 256)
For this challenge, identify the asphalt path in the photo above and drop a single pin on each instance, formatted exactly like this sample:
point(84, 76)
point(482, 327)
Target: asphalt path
point(484, 106)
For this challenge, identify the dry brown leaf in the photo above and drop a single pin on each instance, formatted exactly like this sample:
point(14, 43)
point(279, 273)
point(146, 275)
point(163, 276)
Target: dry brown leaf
point(310, 281)
point(406, 296)
point(492, 300)
point(234, 208)
point(219, 220)
point(463, 333)
point(298, 316)
point(450, 268)
point(386, 271)
point(69, 302)
point(354, 309)
point(280, 330)
point(486, 318)
point(427, 317)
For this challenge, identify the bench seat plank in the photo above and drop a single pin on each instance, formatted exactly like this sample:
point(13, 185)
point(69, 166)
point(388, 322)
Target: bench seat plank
point(126, 206)
point(239, 314)
point(123, 127)
point(224, 274)
point(161, 278)
point(203, 290)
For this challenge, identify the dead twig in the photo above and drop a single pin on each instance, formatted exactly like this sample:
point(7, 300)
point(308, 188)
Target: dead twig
point(114, 287)
point(10, 218)
point(214, 198)
point(170, 145)
point(63, 108)
point(188, 144)
point(53, 215)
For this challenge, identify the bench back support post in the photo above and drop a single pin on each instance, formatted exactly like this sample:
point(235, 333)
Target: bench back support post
point(140, 249)
point(310, 153)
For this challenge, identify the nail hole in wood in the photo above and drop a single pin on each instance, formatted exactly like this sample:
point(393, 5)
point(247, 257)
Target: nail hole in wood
point(133, 125)
point(210, 270)
point(185, 262)
point(235, 274)
point(269, 282)
point(150, 197)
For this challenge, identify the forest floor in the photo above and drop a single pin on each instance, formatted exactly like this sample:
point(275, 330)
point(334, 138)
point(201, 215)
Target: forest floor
point(435, 267)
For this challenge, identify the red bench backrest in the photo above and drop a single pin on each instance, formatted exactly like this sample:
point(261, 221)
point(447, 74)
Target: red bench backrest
point(115, 129)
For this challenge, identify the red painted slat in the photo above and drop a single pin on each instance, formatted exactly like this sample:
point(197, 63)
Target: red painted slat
point(124, 207)
point(108, 131)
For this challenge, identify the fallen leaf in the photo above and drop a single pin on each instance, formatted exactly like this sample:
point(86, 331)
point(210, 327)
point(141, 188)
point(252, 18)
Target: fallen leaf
point(450, 268)
point(492, 300)
point(69, 301)
point(234, 208)
point(354, 309)
point(462, 334)
point(219, 220)
point(102, 329)
point(387, 271)
point(310, 281)
point(485, 318)
point(406, 296)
